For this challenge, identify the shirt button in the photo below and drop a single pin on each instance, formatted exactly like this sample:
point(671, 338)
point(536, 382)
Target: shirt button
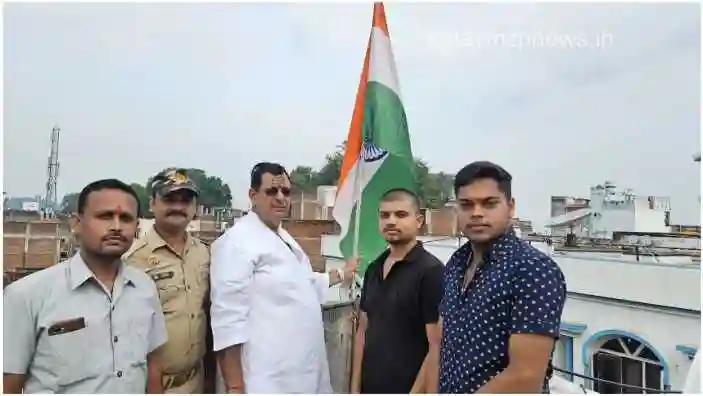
point(115, 339)
point(119, 374)
point(192, 316)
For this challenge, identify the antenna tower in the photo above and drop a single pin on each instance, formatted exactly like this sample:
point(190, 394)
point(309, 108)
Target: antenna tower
point(51, 198)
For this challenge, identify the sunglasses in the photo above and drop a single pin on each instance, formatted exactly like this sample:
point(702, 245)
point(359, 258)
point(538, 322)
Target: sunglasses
point(273, 191)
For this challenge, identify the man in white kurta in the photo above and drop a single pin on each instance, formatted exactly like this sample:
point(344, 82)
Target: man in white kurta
point(266, 301)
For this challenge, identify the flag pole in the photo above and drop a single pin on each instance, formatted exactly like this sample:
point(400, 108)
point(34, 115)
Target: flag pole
point(356, 283)
point(357, 193)
point(357, 216)
point(357, 121)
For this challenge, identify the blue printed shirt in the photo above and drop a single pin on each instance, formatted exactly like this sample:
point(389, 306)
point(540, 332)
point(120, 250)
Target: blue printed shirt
point(516, 289)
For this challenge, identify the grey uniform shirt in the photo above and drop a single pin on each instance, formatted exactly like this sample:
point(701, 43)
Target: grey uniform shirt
point(70, 335)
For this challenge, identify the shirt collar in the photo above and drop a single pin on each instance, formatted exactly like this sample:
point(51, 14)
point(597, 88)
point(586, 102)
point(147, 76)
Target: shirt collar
point(411, 256)
point(505, 241)
point(154, 241)
point(79, 272)
point(257, 219)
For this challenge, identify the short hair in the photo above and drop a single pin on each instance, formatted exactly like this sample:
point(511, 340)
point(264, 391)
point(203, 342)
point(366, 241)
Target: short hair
point(258, 171)
point(397, 194)
point(105, 184)
point(484, 170)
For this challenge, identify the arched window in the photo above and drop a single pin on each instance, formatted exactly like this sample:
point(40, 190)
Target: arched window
point(626, 361)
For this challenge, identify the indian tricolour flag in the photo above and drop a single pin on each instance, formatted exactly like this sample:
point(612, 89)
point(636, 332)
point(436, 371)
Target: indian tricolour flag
point(378, 155)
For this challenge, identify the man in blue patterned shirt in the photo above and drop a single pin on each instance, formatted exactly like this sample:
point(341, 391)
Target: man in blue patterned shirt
point(503, 299)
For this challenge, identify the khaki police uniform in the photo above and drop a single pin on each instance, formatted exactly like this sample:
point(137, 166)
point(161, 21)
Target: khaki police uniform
point(69, 334)
point(182, 280)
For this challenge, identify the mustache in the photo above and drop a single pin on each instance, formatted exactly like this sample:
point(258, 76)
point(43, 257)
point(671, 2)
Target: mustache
point(176, 212)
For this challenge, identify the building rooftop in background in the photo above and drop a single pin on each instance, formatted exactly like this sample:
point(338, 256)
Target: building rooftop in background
point(19, 203)
point(609, 209)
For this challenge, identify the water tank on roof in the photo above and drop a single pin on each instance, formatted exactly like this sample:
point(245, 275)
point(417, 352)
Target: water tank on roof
point(326, 195)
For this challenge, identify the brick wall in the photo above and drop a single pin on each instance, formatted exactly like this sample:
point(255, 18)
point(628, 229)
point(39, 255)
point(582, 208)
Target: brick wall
point(41, 253)
point(308, 234)
point(206, 237)
point(43, 228)
point(13, 253)
point(14, 227)
point(309, 228)
point(208, 225)
point(21, 215)
point(441, 222)
point(31, 244)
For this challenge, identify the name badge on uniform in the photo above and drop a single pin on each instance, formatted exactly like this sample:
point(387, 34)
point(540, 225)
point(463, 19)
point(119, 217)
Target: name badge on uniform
point(66, 326)
point(162, 275)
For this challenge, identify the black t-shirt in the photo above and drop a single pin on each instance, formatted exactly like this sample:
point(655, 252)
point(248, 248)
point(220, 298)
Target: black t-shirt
point(398, 308)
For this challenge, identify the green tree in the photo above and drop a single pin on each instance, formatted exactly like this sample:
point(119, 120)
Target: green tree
point(445, 186)
point(434, 189)
point(143, 196)
point(69, 204)
point(330, 171)
point(423, 185)
point(214, 192)
point(303, 178)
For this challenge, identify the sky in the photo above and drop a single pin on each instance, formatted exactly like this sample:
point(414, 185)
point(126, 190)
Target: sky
point(564, 96)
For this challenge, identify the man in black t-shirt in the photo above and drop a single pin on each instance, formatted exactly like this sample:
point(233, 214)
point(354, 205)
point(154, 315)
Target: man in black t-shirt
point(400, 297)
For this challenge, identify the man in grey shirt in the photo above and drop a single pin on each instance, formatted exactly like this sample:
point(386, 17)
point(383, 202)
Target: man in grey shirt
point(89, 324)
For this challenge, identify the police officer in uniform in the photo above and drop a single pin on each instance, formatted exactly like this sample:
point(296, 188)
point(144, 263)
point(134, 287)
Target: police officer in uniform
point(179, 265)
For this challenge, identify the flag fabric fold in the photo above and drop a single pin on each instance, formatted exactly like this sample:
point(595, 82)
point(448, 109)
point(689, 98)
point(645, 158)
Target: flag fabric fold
point(378, 153)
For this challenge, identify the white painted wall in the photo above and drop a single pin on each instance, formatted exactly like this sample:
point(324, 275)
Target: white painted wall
point(661, 284)
point(648, 220)
point(663, 330)
point(607, 277)
point(612, 219)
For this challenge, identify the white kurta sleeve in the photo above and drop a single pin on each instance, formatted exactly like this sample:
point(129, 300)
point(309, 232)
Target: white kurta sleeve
point(231, 273)
point(322, 283)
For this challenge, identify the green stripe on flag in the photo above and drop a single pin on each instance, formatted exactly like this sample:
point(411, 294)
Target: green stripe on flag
point(386, 124)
